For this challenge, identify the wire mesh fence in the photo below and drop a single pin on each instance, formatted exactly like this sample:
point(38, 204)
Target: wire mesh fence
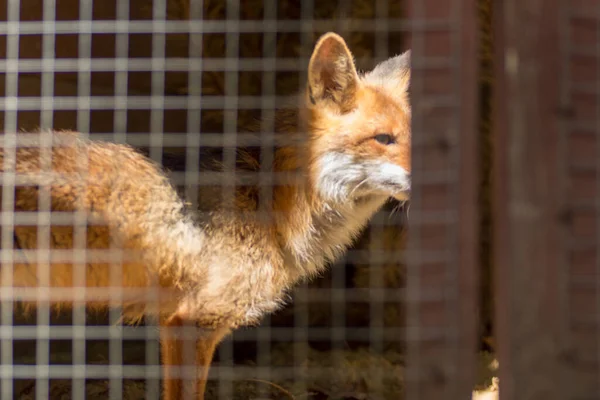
point(255, 155)
point(198, 87)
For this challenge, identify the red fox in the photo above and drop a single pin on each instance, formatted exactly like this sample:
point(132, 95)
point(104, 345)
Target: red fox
point(220, 265)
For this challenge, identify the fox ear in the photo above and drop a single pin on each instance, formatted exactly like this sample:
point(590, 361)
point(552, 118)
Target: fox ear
point(332, 76)
point(393, 72)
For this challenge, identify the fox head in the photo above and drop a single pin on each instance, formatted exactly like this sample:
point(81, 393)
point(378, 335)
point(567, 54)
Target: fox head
point(360, 124)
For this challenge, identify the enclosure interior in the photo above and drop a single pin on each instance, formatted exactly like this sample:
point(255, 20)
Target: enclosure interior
point(154, 75)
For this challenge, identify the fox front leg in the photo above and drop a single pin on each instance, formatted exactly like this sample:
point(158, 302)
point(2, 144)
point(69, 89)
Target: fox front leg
point(186, 358)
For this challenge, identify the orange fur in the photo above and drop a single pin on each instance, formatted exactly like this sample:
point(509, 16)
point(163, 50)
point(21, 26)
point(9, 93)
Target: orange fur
point(223, 264)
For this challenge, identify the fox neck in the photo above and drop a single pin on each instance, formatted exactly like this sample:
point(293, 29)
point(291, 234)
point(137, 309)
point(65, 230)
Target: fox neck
point(317, 232)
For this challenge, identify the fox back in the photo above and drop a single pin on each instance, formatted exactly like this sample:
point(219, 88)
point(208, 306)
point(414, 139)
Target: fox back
point(120, 195)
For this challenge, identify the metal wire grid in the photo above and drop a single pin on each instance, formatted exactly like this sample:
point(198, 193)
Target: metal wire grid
point(121, 101)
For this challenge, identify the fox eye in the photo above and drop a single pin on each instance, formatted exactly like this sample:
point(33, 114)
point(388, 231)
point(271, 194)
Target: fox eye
point(384, 138)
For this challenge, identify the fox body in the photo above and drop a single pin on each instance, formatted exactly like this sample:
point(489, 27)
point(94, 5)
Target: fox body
point(223, 264)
